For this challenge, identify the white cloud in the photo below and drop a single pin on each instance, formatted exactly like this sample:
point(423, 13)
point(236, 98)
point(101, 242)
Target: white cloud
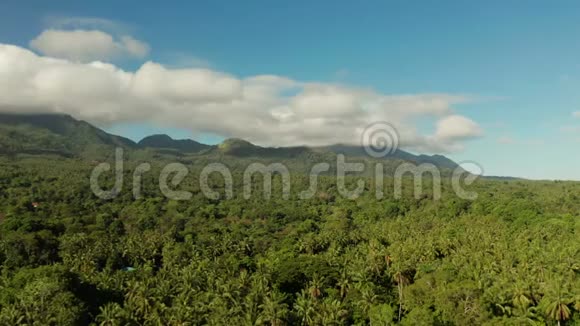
point(87, 45)
point(576, 114)
point(193, 86)
point(133, 47)
point(264, 109)
point(457, 127)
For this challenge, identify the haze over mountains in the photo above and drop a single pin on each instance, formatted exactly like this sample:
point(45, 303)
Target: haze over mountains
point(66, 136)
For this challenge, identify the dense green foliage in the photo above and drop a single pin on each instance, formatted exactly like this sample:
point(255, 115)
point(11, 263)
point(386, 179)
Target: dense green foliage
point(56, 134)
point(510, 257)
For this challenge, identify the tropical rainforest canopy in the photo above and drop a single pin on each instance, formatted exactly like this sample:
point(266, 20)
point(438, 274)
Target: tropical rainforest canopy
point(67, 257)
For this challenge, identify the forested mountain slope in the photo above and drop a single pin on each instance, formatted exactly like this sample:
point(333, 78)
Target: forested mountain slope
point(56, 134)
point(66, 136)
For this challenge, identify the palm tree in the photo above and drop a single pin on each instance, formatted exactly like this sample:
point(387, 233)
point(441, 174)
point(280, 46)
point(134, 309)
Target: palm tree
point(555, 304)
point(521, 298)
point(344, 284)
point(401, 281)
point(368, 299)
point(274, 309)
point(331, 312)
point(251, 308)
point(557, 309)
point(304, 306)
point(11, 315)
point(137, 300)
point(316, 286)
point(110, 314)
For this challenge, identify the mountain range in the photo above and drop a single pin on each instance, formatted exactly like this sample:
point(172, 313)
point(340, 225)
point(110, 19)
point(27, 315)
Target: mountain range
point(63, 135)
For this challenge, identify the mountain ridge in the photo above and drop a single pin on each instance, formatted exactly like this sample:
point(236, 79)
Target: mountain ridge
point(64, 135)
point(59, 134)
point(165, 141)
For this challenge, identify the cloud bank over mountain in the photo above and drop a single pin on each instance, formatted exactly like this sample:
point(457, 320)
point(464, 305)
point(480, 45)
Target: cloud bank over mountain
point(264, 109)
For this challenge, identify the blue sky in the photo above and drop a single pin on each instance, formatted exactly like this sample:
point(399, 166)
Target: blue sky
point(517, 62)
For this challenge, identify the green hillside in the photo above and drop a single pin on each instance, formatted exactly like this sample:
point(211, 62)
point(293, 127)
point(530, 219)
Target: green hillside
point(62, 135)
point(55, 134)
point(166, 142)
